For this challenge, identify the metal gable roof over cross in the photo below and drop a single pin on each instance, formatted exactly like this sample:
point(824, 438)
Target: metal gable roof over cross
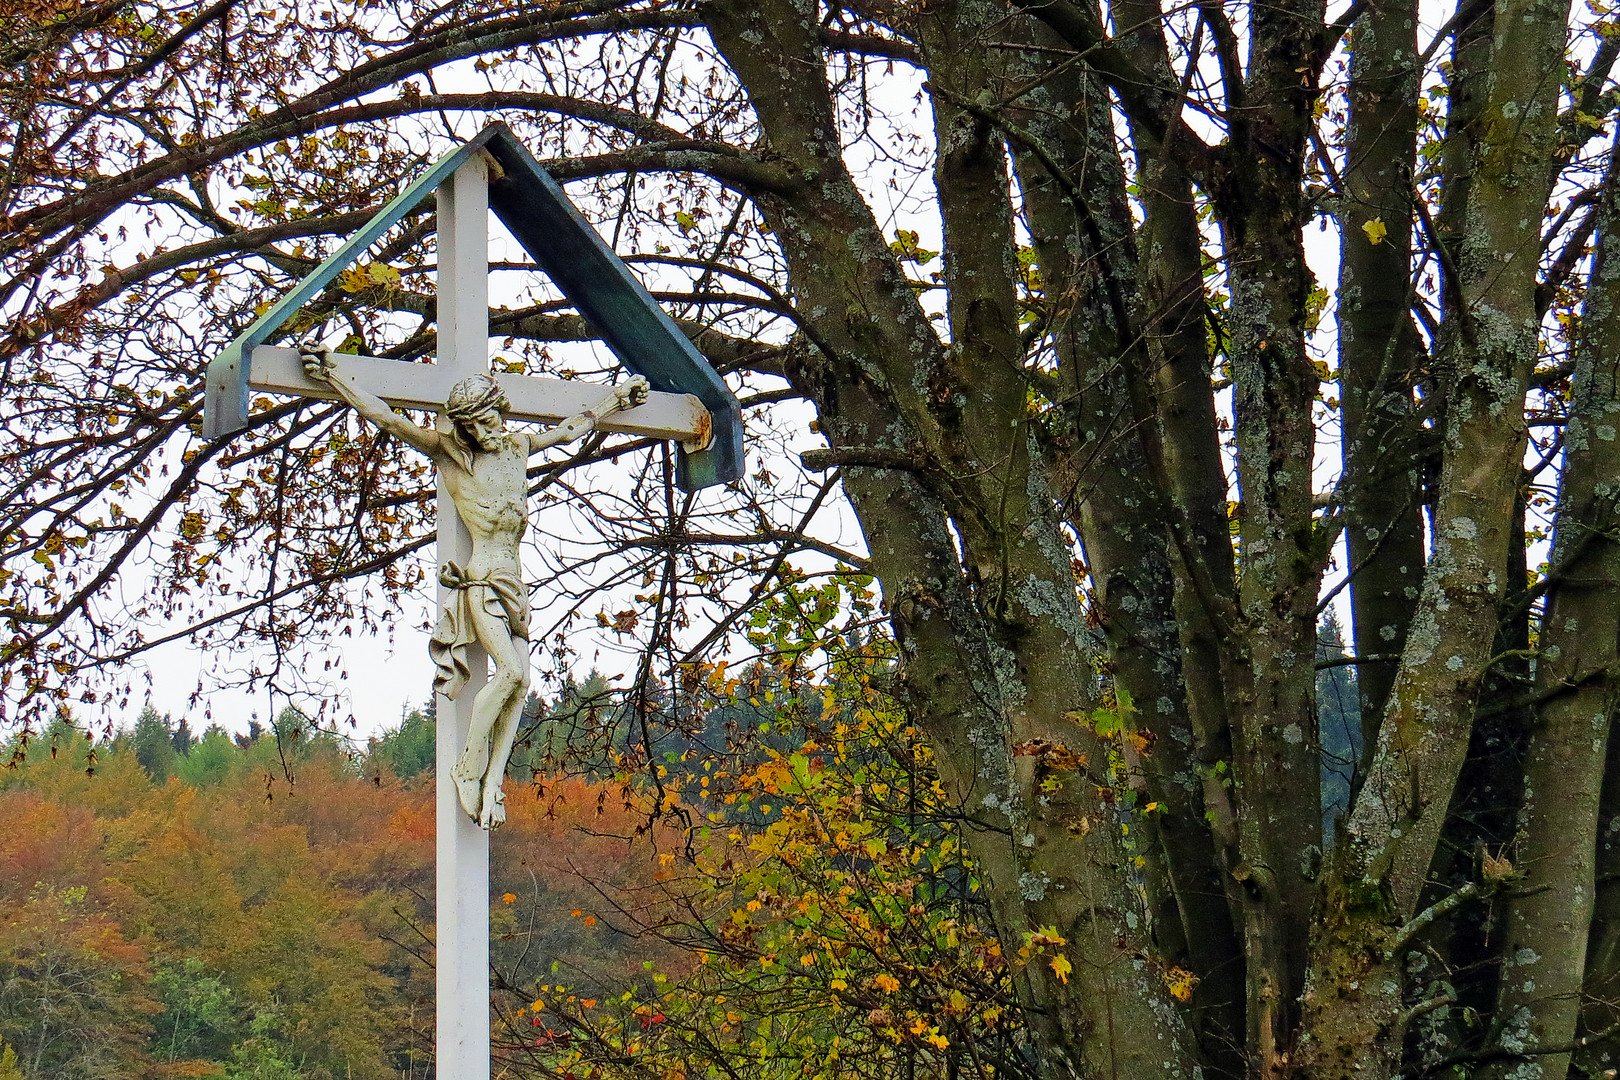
point(540, 216)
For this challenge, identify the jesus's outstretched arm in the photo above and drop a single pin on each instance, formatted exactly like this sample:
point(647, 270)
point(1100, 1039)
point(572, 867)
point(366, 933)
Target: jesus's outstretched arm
point(626, 395)
point(322, 366)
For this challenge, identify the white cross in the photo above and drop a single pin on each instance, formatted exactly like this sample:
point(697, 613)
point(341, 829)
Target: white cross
point(462, 1034)
point(461, 867)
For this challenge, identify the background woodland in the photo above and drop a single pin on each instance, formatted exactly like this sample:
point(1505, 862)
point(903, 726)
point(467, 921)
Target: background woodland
point(260, 907)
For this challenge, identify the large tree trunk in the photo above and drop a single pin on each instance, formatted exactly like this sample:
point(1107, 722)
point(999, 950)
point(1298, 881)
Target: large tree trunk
point(1378, 350)
point(1270, 668)
point(1600, 1011)
point(1118, 506)
point(1545, 949)
point(1354, 1001)
point(995, 656)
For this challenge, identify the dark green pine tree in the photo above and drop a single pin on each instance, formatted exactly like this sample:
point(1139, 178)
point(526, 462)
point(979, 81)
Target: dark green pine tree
point(182, 738)
point(154, 745)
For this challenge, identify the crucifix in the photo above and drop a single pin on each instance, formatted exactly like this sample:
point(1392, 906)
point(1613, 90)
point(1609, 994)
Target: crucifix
point(482, 471)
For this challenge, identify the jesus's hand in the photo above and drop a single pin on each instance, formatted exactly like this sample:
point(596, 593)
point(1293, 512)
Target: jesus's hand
point(319, 364)
point(632, 392)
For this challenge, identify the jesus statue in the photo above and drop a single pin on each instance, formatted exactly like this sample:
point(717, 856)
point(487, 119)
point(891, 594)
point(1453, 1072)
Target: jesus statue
point(485, 470)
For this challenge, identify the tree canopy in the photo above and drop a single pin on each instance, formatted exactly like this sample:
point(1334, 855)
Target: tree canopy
point(1089, 472)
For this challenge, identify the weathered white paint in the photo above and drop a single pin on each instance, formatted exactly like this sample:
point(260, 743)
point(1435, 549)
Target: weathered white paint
point(461, 956)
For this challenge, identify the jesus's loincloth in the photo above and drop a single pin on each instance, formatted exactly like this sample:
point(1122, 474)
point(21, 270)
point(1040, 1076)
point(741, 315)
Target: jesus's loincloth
point(500, 593)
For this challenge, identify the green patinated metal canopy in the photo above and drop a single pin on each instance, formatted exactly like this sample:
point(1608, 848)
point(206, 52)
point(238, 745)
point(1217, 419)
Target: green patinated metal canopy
point(540, 216)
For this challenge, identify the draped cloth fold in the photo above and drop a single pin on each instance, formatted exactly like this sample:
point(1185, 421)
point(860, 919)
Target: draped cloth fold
point(500, 593)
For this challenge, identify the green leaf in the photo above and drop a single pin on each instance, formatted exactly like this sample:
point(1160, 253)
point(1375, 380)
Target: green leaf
point(906, 248)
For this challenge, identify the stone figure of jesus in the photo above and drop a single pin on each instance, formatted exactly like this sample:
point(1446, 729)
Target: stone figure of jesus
point(485, 470)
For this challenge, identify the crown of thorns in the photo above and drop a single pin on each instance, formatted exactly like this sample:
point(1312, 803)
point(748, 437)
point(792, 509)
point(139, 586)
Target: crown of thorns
point(474, 396)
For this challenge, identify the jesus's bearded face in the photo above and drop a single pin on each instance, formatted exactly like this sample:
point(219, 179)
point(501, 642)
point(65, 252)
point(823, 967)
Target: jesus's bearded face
point(486, 428)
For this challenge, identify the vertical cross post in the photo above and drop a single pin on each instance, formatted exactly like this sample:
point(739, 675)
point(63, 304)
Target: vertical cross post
point(461, 960)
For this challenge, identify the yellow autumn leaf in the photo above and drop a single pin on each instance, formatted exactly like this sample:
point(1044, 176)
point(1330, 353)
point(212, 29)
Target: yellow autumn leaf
point(1180, 982)
point(906, 248)
point(358, 279)
point(1061, 968)
point(886, 982)
point(508, 898)
point(1376, 230)
point(383, 274)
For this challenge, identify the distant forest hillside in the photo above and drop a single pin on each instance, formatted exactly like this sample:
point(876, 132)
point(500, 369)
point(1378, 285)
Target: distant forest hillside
point(172, 906)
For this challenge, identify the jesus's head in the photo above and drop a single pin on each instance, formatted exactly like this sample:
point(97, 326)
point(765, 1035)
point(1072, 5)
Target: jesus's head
point(475, 406)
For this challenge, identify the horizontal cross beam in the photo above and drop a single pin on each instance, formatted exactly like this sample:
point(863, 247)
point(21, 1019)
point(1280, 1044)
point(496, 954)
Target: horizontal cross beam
point(681, 417)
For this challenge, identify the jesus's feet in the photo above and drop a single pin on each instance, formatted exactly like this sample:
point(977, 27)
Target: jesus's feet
point(494, 810)
point(469, 790)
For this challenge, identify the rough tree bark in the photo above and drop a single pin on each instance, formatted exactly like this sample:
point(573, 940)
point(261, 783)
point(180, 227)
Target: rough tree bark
point(1545, 948)
point(1354, 1002)
point(981, 669)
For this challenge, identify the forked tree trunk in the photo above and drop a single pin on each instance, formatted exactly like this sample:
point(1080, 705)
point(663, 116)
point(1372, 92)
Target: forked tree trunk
point(1354, 1006)
point(1546, 929)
